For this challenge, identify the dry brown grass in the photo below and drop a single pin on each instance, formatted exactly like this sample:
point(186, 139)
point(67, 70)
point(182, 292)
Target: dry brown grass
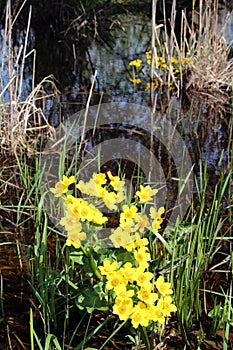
point(208, 74)
point(20, 118)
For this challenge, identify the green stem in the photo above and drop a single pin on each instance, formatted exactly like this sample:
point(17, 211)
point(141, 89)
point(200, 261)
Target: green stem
point(94, 267)
point(145, 338)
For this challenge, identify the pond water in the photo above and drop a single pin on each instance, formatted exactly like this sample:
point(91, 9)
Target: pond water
point(74, 63)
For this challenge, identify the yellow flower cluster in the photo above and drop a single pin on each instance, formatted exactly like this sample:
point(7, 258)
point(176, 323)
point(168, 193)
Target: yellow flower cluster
point(165, 64)
point(135, 63)
point(171, 63)
point(104, 188)
point(107, 187)
point(133, 223)
point(133, 288)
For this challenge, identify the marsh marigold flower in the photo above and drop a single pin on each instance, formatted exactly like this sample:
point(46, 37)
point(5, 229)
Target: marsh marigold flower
point(163, 287)
point(135, 63)
point(135, 80)
point(123, 309)
point(74, 238)
point(146, 193)
point(108, 267)
point(61, 187)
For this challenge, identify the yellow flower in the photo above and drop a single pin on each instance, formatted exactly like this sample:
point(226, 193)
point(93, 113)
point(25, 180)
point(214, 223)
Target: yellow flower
point(122, 292)
point(142, 255)
point(142, 223)
point(62, 186)
point(174, 60)
point(141, 242)
point(85, 212)
point(114, 280)
point(147, 296)
point(131, 245)
point(116, 182)
point(75, 237)
point(108, 267)
point(97, 216)
point(99, 179)
point(156, 216)
point(158, 315)
point(165, 303)
point(69, 200)
point(142, 276)
point(135, 80)
point(145, 194)
point(71, 221)
point(123, 309)
point(136, 63)
point(128, 214)
point(121, 237)
point(110, 199)
point(163, 287)
point(129, 272)
point(140, 315)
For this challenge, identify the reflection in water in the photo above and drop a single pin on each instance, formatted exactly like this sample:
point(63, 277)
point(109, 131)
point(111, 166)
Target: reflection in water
point(74, 63)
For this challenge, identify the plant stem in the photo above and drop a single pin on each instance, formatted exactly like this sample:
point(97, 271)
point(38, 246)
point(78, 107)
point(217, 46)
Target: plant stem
point(89, 254)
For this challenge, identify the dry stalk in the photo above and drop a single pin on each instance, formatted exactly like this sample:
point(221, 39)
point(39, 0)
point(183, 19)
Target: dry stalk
point(208, 73)
point(21, 119)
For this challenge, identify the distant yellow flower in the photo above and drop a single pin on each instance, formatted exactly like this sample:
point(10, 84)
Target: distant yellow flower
point(71, 221)
point(156, 216)
point(62, 186)
point(135, 80)
point(142, 222)
point(174, 60)
point(121, 237)
point(135, 63)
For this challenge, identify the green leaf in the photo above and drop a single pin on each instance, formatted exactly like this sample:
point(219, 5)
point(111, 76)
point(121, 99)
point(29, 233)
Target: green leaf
point(125, 257)
point(77, 257)
point(88, 298)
